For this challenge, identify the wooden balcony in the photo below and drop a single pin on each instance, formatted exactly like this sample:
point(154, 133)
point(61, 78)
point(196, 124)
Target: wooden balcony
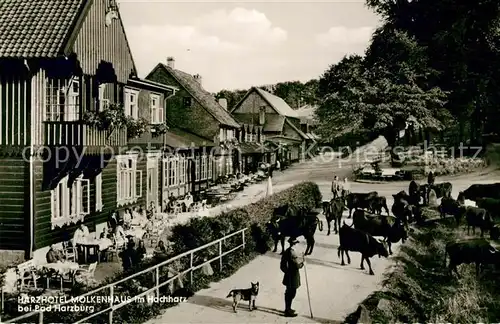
point(77, 133)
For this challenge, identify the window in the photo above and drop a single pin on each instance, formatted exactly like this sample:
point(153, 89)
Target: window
point(103, 101)
point(187, 102)
point(262, 138)
point(197, 168)
point(63, 99)
point(182, 170)
point(248, 137)
point(155, 109)
point(204, 167)
point(221, 135)
point(171, 167)
point(229, 165)
point(131, 106)
point(210, 166)
point(230, 134)
point(98, 192)
point(129, 179)
point(70, 203)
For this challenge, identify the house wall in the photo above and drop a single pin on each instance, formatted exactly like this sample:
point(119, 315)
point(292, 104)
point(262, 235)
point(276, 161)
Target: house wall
point(147, 139)
point(252, 104)
point(288, 131)
point(15, 102)
point(96, 43)
point(195, 118)
point(44, 234)
point(14, 202)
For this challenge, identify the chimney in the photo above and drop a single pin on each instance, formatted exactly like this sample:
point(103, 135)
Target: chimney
point(223, 103)
point(171, 62)
point(197, 77)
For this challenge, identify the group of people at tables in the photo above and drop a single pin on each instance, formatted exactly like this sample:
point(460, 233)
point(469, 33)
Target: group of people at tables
point(182, 204)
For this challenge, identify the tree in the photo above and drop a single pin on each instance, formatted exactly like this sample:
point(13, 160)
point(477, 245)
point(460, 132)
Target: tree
point(381, 92)
point(461, 39)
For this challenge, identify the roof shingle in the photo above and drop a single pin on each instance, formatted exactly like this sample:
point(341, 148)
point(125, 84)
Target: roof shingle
point(206, 99)
point(278, 104)
point(36, 28)
point(178, 138)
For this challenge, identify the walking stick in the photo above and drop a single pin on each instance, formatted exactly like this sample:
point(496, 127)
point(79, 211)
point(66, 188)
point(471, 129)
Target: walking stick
point(307, 287)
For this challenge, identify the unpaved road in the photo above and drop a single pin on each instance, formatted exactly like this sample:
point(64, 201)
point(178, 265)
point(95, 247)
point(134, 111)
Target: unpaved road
point(335, 291)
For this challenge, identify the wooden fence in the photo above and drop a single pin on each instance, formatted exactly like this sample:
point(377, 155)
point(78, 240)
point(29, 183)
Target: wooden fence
point(154, 270)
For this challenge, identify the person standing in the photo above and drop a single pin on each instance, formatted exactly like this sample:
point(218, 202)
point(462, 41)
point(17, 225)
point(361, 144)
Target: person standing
point(290, 265)
point(335, 187)
point(431, 178)
point(278, 165)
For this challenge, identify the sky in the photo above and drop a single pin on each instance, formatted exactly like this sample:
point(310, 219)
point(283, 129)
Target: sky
point(236, 45)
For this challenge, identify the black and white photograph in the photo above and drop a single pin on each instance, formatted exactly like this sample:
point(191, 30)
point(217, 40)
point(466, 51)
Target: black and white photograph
point(329, 161)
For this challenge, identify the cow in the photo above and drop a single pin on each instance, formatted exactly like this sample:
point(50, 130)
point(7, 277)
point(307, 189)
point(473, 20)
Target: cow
point(450, 206)
point(491, 205)
point(478, 251)
point(355, 240)
point(441, 189)
point(377, 204)
point(305, 225)
point(360, 200)
point(333, 212)
point(414, 193)
point(401, 208)
point(482, 190)
point(495, 232)
point(378, 225)
point(477, 217)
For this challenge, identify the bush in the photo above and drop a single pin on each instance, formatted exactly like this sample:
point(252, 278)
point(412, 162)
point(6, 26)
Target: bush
point(418, 289)
point(185, 237)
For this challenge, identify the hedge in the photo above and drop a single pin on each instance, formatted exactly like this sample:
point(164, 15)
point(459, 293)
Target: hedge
point(196, 232)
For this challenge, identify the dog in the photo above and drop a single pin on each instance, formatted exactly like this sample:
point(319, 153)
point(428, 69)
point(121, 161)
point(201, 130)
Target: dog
point(249, 294)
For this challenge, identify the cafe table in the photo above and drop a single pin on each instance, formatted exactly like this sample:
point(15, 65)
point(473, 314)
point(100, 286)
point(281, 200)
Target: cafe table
point(94, 244)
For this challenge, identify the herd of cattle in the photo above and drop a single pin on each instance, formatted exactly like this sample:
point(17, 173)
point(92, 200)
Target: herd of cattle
point(368, 221)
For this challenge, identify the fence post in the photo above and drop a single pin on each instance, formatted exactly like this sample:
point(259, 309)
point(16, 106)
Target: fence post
point(40, 317)
point(220, 254)
point(243, 237)
point(191, 267)
point(157, 281)
point(112, 296)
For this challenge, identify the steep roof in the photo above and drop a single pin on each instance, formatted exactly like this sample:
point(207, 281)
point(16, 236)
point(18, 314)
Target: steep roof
point(273, 123)
point(307, 114)
point(37, 28)
point(301, 133)
point(42, 28)
point(206, 99)
point(179, 138)
point(277, 103)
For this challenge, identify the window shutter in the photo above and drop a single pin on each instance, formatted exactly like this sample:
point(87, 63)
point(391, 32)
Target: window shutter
point(138, 183)
point(53, 202)
point(85, 198)
point(98, 192)
point(160, 115)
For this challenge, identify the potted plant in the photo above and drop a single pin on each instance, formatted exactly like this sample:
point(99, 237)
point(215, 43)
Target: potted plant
point(111, 118)
point(136, 127)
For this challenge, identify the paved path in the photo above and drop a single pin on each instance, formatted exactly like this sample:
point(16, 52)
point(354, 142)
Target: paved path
point(335, 290)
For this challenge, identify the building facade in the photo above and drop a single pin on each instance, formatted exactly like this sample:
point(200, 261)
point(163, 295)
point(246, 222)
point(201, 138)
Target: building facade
point(274, 121)
point(194, 109)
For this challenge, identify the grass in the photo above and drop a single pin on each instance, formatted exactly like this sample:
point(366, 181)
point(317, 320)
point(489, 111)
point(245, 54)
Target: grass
point(420, 289)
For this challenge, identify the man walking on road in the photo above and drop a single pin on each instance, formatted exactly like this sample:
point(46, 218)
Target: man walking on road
point(290, 265)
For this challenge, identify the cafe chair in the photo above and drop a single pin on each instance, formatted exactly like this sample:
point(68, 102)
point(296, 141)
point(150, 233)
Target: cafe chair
point(27, 275)
point(86, 271)
point(70, 253)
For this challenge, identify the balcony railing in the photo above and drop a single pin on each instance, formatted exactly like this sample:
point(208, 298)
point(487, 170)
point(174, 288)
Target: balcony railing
point(77, 133)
